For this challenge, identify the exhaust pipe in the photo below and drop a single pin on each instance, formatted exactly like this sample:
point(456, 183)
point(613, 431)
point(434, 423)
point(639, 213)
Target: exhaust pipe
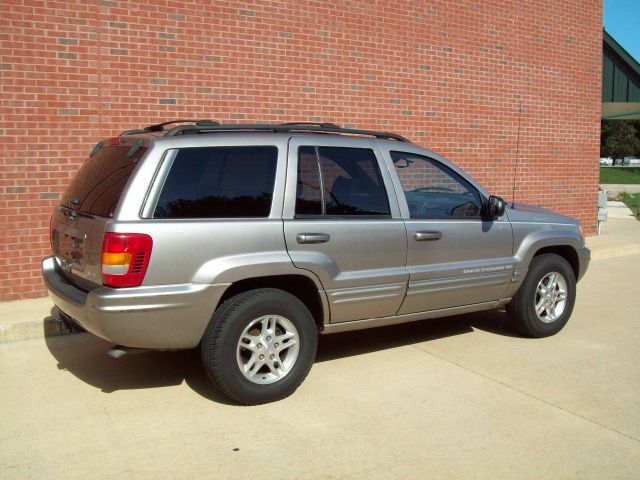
point(118, 351)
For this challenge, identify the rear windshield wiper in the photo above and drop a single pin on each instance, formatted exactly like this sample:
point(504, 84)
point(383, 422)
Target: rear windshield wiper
point(69, 213)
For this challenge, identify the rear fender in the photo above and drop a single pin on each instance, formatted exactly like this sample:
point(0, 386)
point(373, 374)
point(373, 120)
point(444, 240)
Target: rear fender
point(234, 268)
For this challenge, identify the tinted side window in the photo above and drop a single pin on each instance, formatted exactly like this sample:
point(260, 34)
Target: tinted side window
point(434, 191)
point(219, 182)
point(351, 181)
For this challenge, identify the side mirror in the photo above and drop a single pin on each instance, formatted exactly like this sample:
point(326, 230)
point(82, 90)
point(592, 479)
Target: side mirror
point(402, 162)
point(494, 208)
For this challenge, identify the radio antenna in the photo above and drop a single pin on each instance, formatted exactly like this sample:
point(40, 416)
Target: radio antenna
point(515, 165)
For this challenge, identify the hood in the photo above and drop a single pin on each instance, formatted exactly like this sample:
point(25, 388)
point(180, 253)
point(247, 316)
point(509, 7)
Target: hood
point(521, 212)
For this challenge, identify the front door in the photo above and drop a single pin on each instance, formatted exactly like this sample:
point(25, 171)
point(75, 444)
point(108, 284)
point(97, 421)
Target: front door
point(454, 257)
point(341, 224)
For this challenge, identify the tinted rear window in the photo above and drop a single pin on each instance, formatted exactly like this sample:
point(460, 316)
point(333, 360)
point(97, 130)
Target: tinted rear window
point(99, 183)
point(219, 182)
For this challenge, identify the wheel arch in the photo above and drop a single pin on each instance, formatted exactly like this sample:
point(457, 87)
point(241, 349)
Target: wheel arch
point(565, 251)
point(562, 242)
point(300, 286)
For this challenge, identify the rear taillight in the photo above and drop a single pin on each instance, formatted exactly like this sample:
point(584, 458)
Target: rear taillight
point(125, 257)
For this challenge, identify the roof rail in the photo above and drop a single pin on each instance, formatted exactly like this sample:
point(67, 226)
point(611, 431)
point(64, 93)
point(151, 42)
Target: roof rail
point(159, 127)
point(284, 127)
point(321, 124)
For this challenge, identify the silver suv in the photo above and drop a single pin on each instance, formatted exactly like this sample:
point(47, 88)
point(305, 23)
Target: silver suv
point(249, 240)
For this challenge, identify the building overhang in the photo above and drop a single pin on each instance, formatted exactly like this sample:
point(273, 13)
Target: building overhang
point(620, 82)
point(621, 110)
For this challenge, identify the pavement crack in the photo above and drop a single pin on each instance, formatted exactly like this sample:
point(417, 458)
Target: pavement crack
point(523, 392)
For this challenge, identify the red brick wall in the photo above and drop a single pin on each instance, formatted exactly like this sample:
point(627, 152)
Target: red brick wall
point(450, 75)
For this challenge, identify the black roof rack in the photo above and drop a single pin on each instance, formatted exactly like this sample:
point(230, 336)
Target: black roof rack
point(209, 127)
point(324, 124)
point(159, 127)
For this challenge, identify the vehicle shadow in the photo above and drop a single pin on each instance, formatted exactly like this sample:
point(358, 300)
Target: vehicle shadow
point(340, 345)
point(84, 355)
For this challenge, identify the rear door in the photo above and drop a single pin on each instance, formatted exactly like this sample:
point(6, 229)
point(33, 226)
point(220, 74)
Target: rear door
point(341, 224)
point(454, 256)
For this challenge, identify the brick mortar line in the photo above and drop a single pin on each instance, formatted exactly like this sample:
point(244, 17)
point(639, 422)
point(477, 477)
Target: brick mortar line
point(522, 392)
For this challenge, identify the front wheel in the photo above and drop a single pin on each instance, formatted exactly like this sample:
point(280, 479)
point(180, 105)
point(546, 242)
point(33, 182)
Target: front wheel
point(543, 304)
point(259, 346)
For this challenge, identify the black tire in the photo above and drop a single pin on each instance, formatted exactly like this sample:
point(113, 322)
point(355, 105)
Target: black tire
point(522, 308)
point(220, 345)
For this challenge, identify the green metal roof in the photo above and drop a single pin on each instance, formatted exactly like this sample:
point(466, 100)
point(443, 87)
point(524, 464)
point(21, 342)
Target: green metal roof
point(620, 81)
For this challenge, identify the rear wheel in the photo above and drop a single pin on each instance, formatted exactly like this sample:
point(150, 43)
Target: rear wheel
point(546, 297)
point(259, 346)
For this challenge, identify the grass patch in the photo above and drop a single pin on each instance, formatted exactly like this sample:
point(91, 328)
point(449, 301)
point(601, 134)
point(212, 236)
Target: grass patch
point(631, 200)
point(616, 175)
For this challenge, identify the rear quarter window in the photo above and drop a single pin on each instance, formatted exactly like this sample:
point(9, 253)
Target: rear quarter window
point(219, 182)
point(98, 185)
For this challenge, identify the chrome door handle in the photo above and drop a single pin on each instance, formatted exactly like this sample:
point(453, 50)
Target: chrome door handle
point(430, 236)
point(313, 237)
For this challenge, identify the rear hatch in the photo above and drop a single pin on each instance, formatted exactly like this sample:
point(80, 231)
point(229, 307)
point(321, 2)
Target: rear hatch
point(89, 202)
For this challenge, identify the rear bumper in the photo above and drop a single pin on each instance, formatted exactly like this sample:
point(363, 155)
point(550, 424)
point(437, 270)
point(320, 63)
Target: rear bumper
point(584, 257)
point(157, 317)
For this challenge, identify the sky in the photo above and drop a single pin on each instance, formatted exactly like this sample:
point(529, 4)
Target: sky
point(622, 22)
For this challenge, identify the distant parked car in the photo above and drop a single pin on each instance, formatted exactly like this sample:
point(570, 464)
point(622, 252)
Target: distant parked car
point(606, 162)
point(631, 161)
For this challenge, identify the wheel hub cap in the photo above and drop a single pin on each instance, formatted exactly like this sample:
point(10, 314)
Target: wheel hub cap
point(550, 297)
point(267, 349)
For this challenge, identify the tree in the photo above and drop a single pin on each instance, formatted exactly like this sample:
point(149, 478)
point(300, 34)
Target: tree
point(620, 138)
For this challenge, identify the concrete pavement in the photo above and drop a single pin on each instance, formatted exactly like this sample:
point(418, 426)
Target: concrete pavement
point(617, 209)
point(459, 397)
point(614, 189)
point(619, 237)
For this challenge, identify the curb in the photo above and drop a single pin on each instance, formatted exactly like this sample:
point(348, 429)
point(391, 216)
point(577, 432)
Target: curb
point(615, 253)
point(51, 326)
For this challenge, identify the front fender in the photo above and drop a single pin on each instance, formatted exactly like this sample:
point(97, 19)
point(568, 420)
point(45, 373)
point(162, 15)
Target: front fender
point(531, 240)
point(555, 236)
